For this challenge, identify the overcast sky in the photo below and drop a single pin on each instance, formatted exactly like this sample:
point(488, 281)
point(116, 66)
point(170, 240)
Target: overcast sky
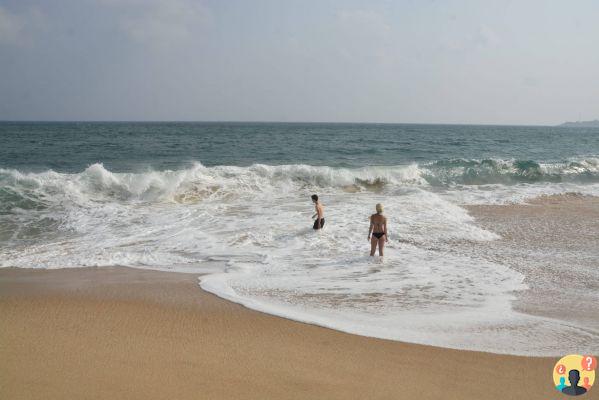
point(504, 62)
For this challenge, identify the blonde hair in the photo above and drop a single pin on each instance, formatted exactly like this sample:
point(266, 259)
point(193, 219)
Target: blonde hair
point(379, 208)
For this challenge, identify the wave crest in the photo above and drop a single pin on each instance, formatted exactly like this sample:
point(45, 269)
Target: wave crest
point(31, 191)
point(507, 172)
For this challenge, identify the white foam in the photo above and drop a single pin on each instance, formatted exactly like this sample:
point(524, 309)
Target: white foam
point(249, 229)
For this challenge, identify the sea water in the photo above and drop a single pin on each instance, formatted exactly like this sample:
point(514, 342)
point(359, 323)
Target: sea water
point(231, 203)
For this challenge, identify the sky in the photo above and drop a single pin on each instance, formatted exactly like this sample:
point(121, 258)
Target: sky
point(480, 62)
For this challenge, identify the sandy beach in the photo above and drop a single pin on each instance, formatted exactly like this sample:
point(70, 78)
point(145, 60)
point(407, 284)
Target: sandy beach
point(100, 333)
point(212, 200)
point(557, 239)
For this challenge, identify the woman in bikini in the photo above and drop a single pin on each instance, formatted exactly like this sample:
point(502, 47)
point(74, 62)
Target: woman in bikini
point(378, 229)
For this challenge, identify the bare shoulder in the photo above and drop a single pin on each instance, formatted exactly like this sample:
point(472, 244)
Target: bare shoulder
point(378, 218)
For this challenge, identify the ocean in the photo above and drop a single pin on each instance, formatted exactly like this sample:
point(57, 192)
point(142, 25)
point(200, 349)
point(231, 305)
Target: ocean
point(230, 202)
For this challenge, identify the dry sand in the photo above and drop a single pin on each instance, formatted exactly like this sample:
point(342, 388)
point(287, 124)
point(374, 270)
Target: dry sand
point(118, 333)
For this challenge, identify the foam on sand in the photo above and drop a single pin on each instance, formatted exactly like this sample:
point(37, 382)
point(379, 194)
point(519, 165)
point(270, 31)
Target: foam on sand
point(249, 229)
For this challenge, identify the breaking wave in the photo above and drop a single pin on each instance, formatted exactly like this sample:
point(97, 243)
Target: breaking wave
point(30, 191)
point(248, 231)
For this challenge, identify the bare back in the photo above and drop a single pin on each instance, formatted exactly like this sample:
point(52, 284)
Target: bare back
point(379, 223)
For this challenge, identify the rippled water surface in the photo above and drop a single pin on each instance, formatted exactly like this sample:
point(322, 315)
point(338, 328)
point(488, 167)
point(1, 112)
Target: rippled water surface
point(231, 201)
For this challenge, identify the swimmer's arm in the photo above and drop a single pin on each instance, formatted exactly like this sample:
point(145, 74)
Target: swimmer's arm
point(319, 212)
point(385, 230)
point(371, 227)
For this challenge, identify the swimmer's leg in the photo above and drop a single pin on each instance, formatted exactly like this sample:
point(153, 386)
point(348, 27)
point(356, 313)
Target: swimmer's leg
point(381, 241)
point(373, 242)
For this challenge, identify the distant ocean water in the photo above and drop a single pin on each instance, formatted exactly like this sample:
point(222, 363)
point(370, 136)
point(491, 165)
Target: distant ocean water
point(232, 200)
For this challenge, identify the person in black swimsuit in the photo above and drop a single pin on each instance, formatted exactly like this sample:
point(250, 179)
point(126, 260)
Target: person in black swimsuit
point(318, 207)
point(378, 229)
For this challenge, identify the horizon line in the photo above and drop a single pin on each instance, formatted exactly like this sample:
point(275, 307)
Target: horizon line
point(265, 122)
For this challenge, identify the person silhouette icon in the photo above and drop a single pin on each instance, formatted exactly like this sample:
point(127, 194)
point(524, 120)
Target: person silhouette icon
point(586, 383)
point(574, 389)
point(562, 384)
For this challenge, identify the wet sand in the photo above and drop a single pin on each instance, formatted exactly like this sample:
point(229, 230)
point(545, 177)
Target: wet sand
point(101, 333)
point(554, 242)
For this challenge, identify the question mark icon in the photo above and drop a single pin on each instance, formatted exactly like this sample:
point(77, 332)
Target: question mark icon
point(589, 363)
point(560, 369)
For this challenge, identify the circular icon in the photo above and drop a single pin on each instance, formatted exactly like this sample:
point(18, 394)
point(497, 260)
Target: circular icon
point(560, 369)
point(574, 374)
point(589, 363)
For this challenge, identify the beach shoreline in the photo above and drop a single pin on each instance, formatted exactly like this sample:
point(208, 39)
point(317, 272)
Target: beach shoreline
point(119, 332)
point(552, 240)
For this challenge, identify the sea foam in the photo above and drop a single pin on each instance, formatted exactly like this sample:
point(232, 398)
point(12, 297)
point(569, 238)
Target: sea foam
point(248, 231)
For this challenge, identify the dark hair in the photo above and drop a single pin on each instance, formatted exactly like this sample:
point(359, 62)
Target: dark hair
point(315, 197)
